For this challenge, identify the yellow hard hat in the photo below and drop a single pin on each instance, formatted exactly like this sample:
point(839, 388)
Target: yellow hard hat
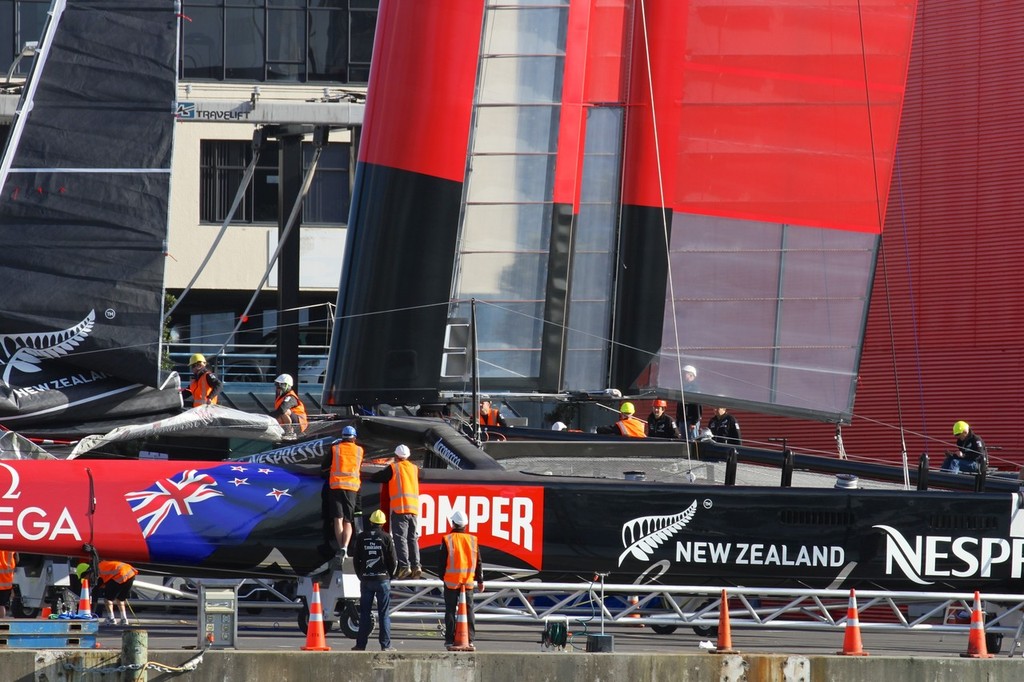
point(378, 518)
point(196, 357)
point(961, 427)
point(627, 408)
point(80, 569)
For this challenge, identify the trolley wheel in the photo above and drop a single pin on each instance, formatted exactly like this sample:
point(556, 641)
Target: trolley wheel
point(349, 619)
point(663, 629)
point(706, 630)
point(993, 642)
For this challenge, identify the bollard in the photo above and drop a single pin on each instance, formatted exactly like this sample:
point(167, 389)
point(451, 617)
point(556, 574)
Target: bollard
point(922, 472)
point(134, 655)
point(787, 468)
point(979, 479)
point(730, 466)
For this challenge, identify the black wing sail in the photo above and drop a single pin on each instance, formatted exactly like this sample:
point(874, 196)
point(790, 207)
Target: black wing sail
point(83, 217)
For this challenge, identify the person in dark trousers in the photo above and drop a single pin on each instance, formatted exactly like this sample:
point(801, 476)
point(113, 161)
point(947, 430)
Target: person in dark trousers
point(459, 568)
point(289, 411)
point(114, 581)
point(205, 386)
point(342, 466)
point(8, 562)
point(970, 452)
point(659, 424)
point(724, 427)
point(403, 479)
point(373, 554)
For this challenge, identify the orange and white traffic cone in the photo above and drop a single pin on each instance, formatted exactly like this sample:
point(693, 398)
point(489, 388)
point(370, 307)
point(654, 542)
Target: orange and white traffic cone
point(634, 600)
point(462, 642)
point(315, 640)
point(84, 601)
point(852, 645)
point(724, 630)
point(976, 646)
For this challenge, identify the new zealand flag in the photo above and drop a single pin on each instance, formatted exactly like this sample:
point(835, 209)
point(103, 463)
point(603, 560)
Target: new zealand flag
point(188, 515)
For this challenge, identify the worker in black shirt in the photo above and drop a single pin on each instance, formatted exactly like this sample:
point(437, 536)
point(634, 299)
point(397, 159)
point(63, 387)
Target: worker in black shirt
point(375, 564)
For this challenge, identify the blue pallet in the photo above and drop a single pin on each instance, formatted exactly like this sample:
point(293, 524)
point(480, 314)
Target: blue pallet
point(46, 642)
point(52, 628)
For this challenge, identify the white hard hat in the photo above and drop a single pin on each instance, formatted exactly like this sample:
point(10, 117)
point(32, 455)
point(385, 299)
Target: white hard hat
point(284, 380)
point(558, 426)
point(402, 451)
point(690, 369)
point(458, 519)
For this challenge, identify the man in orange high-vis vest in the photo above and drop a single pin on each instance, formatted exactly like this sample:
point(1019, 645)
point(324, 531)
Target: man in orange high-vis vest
point(628, 425)
point(114, 581)
point(403, 479)
point(342, 465)
point(8, 562)
point(490, 416)
point(459, 568)
point(288, 409)
point(205, 386)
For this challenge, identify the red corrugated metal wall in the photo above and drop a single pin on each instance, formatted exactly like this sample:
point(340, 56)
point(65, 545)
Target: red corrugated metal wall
point(948, 283)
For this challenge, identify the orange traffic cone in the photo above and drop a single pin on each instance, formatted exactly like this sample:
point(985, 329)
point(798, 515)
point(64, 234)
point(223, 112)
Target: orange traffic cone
point(852, 645)
point(976, 647)
point(315, 640)
point(724, 630)
point(462, 642)
point(84, 601)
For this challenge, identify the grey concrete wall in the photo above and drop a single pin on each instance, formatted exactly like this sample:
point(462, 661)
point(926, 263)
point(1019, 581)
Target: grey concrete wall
point(299, 666)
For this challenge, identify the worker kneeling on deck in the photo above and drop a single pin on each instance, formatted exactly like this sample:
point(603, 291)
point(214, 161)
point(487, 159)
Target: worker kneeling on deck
point(628, 425)
point(288, 409)
point(114, 581)
point(970, 454)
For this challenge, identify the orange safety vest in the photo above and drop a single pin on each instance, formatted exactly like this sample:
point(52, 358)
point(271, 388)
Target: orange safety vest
point(346, 461)
point(116, 571)
point(461, 566)
point(6, 570)
point(200, 389)
point(632, 427)
point(489, 418)
point(299, 408)
point(404, 488)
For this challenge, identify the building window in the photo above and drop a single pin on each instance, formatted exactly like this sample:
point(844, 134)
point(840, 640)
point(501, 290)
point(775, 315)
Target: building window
point(21, 21)
point(302, 41)
point(223, 164)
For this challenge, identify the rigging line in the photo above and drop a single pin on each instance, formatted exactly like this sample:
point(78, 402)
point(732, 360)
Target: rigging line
point(258, 138)
point(879, 212)
point(292, 217)
point(664, 221)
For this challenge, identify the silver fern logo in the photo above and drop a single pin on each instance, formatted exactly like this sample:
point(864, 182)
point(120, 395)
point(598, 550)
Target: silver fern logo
point(642, 535)
point(24, 352)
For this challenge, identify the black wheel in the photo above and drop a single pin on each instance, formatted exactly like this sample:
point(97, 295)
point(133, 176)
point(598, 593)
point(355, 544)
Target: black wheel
point(663, 629)
point(349, 619)
point(303, 619)
point(994, 642)
point(18, 610)
point(706, 630)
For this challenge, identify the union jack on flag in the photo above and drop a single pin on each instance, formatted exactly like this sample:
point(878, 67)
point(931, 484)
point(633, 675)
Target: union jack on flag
point(177, 494)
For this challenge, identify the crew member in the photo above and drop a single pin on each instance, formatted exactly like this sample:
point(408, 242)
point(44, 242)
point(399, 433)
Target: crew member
point(8, 562)
point(342, 465)
point(724, 427)
point(970, 453)
point(288, 409)
point(628, 425)
point(689, 414)
point(459, 568)
point(115, 581)
point(490, 416)
point(205, 386)
point(373, 554)
point(659, 424)
point(403, 479)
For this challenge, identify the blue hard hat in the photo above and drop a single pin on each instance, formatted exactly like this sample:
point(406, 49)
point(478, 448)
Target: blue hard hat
point(348, 432)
